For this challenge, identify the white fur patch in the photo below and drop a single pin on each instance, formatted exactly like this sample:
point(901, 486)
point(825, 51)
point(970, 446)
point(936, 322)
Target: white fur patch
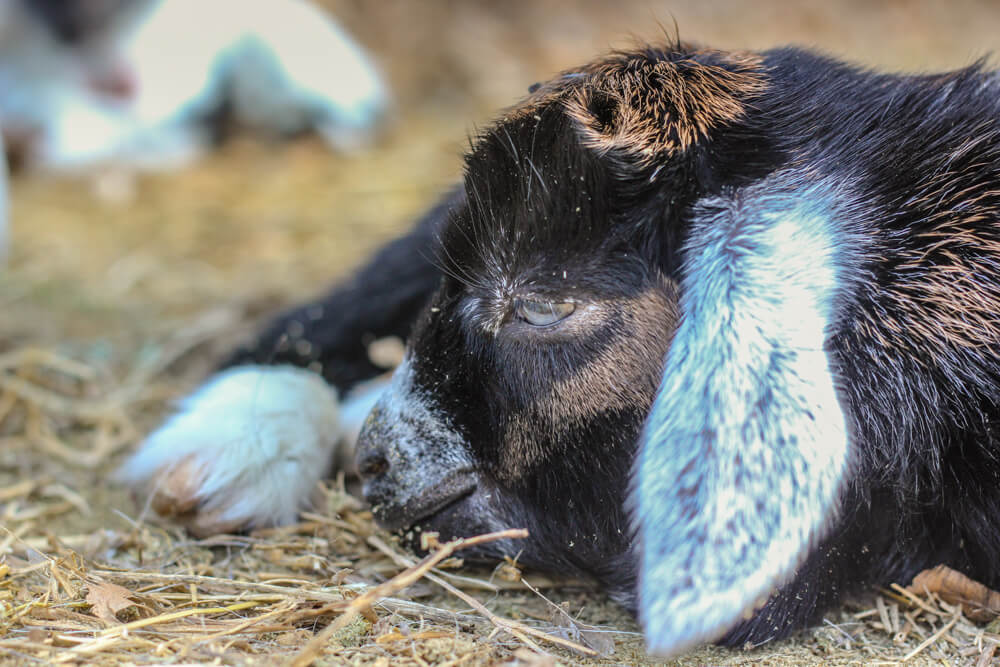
point(245, 450)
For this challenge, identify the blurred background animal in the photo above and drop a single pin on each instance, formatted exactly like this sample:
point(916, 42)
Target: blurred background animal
point(138, 82)
point(152, 84)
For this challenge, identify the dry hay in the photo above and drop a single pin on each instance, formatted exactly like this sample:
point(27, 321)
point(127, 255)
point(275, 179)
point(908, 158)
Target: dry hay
point(330, 589)
point(147, 592)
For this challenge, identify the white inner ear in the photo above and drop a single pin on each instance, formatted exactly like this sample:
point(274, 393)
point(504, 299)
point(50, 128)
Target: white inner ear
point(746, 446)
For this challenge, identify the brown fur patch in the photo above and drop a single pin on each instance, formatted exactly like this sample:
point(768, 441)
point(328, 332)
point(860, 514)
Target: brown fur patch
point(623, 377)
point(645, 106)
point(945, 305)
point(945, 295)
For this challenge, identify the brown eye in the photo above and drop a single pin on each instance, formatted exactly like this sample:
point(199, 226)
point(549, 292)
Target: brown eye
point(543, 313)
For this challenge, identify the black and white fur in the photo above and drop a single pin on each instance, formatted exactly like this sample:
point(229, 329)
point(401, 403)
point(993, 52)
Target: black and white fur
point(773, 379)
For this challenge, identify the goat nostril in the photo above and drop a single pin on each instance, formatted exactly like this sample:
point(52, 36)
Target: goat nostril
point(373, 466)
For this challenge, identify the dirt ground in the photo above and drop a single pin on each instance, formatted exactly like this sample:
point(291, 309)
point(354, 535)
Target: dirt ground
point(121, 290)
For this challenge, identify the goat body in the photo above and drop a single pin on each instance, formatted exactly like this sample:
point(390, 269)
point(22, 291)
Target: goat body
point(720, 329)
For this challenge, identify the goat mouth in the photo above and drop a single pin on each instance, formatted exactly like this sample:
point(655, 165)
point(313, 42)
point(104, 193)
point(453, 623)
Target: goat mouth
point(443, 507)
point(426, 504)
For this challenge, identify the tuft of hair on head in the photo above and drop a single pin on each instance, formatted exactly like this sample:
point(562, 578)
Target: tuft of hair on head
point(654, 102)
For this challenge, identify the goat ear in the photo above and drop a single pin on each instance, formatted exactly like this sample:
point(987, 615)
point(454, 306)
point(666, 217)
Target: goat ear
point(745, 450)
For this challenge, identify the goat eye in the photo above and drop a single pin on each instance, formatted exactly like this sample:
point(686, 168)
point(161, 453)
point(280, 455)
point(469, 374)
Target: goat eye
point(543, 313)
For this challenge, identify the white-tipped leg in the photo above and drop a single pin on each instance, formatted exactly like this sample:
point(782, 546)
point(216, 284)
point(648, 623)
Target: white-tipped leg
point(245, 450)
point(746, 447)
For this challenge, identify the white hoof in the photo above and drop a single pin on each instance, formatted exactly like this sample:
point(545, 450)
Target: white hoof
point(244, 451)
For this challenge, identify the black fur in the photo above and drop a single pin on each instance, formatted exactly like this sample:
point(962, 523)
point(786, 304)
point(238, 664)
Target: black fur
point(557, 206)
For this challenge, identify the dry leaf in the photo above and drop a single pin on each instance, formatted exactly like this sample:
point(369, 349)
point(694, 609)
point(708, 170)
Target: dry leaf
point(107, 599)
point(979, 603)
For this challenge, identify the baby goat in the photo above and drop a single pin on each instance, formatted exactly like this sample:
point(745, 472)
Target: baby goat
point(722, 330)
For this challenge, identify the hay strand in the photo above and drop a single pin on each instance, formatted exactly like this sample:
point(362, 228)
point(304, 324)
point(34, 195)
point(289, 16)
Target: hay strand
point(408, 577)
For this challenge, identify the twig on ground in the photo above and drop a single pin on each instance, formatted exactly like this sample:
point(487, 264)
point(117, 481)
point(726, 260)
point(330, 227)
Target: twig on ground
point(414, 573)
point(513, 627)
point(934, 637)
